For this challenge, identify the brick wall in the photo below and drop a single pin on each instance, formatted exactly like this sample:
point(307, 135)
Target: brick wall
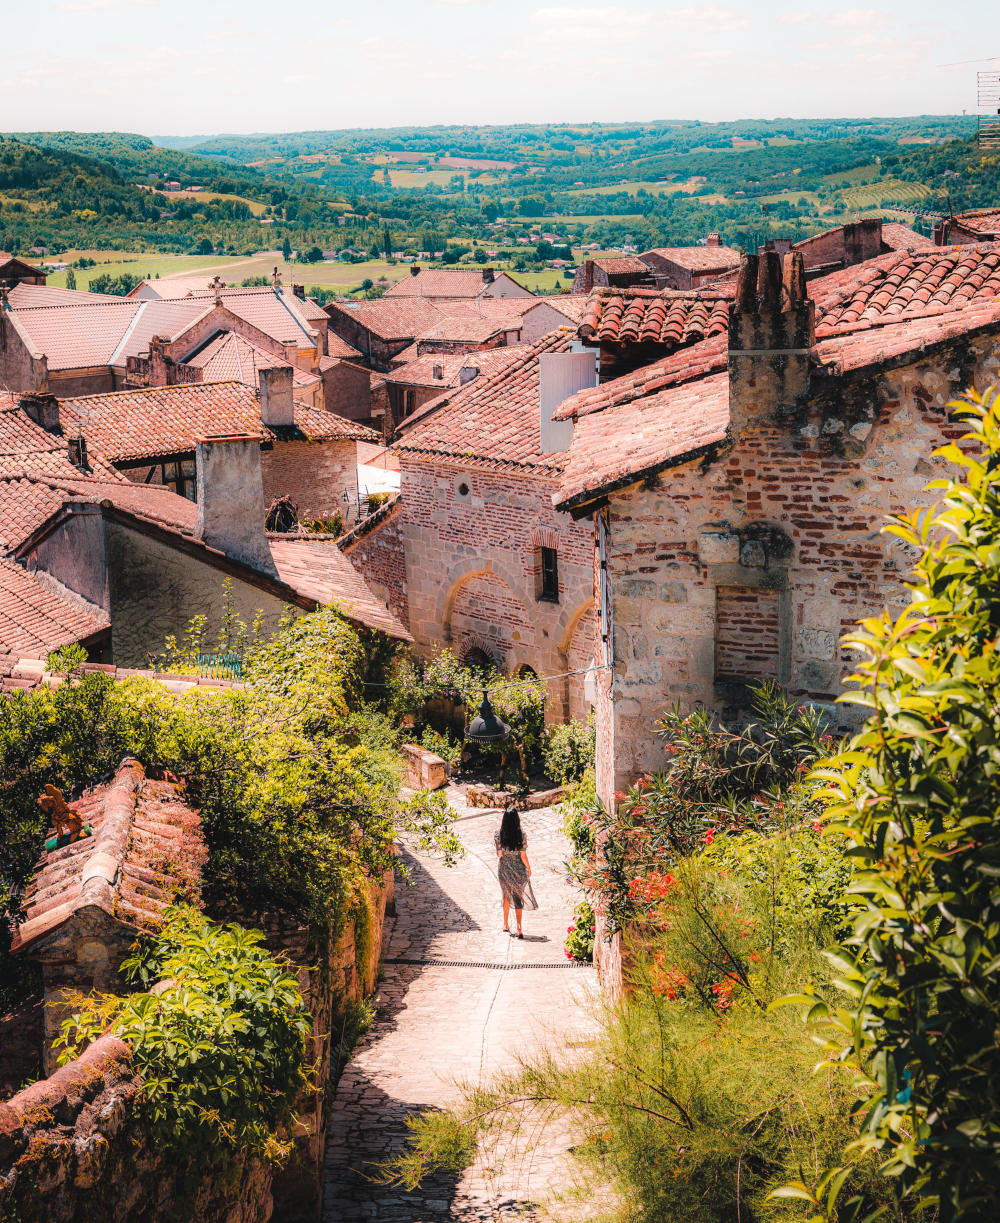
point(746, 633)
point(470, 569)
point(346, 390)
point(794, 509)
point(314, 474)
point(380, 556)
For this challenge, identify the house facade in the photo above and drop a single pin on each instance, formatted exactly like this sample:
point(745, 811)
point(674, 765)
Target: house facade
point(737, 489)
point(473, 555)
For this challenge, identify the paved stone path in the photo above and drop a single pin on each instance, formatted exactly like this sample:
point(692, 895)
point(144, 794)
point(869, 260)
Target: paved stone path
point(440, 1025)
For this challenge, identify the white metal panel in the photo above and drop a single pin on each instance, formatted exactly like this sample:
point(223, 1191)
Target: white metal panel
point(560, 375)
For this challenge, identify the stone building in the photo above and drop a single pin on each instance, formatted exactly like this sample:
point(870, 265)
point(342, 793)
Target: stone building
point(137, 561)
point(14, 271)
point(472, 555)
point(737, 487)
point(452, 283)
point(979, 225)
point(409, 386)
point(688, 267)
point(151, 436)
point(612, 272)
point(87, 900)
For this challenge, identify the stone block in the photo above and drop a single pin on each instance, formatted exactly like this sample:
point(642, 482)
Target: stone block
point(719, 547)
point(816, 643)
point(424, 769)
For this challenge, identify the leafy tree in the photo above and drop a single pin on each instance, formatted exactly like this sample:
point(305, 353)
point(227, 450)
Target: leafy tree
point(916, 794)
point(286, 248)
point(204, 247)
point(70, 279)
point(313, 255)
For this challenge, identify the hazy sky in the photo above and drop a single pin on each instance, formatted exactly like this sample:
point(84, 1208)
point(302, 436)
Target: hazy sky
point(197, 66)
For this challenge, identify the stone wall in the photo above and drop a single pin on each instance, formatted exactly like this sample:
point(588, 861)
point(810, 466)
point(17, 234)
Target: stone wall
point(471, 570)
point(71, 1151)
point(72, 1148)
point(155, 589)
point(789, 517)
point(314, 474)
point(844, 246)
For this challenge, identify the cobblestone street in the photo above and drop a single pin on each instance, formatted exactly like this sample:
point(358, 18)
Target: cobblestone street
point(460, 1017)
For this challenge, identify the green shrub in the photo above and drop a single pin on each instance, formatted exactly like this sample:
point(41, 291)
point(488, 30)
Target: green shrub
point(568, 750)
point(441, 745)
point(580, 935)
point(916, 795)
point(577, 810)
point(220, 1051)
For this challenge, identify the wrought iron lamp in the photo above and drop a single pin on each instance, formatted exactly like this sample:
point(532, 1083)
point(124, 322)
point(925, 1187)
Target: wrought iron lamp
point(486, 727)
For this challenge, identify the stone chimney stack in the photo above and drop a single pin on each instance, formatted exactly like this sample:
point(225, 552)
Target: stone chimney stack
point(713, 240)
point(277, 407)
point(414, 269)
point(771, 331)
point(43, 409)
point(488, 276)
point(231, 499)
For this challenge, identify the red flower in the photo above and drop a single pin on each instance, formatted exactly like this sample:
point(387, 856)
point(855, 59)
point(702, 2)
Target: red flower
point(817, 826)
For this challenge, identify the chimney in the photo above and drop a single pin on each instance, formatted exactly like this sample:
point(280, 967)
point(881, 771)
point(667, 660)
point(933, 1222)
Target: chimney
point(277, 408)
point(713, 240)
point(159, 363)
point(560, 375)
point(414, 269)
point(771, 331)
point(488, 276)
point(231, 499)
point(467, 373)
point(299, 291)
point(78, 452)
point(43, 409)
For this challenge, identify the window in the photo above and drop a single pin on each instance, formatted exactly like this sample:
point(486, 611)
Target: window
point(180, 477)
point(747, 639)
point(407, 403)
point(548, 587)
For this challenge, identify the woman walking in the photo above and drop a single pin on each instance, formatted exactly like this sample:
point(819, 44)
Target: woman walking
point(514, 868)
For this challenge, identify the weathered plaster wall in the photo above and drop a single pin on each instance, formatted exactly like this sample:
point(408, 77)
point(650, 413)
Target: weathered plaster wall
point(75, 555)
point(19, 370)
point(794, 508)
point(156, 589)
point(471, 569)
point(314, 474)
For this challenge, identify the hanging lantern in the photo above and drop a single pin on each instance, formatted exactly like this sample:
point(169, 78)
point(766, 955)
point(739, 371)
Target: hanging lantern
point(486, 727)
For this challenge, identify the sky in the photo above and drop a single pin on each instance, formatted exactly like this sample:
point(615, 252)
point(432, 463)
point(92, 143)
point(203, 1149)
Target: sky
point(185, 67)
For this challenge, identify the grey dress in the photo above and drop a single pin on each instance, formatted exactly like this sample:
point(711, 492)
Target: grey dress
point(513, 875)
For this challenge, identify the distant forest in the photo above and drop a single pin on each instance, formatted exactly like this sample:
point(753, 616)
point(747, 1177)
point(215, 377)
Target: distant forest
point(452, 189)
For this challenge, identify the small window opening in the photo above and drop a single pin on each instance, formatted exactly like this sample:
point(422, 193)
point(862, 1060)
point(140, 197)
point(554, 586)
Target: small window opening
point(548, 587)
point(463, 489)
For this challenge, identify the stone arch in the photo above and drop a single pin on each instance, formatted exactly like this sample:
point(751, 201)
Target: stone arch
point(576, 651)
point(460, 576)
point(485, 612)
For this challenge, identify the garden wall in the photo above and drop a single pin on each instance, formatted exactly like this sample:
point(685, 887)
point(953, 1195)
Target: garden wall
point(72, 1149)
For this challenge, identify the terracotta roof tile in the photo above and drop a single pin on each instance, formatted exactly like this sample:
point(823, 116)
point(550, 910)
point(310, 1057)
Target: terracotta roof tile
point(423, 371)
point(698, 258)
point(159, 421)
point(492, 420)
point(906, 284)
point(35, 618)
point(899, 237)
point(319, 570)
point(981, 220)
point(645, 316)
point(411, 317)
point(621, 265)
point(613, 449)
point(440, 282)
point(687, 365)
point(230, 357)
point(139, 829)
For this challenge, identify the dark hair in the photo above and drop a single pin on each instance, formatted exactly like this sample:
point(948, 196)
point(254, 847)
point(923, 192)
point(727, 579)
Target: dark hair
point(511, 836)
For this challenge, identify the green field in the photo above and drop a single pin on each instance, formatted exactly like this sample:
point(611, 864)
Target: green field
point(650, 187)
point(231, 269)
point(254, 205)
point(873, 195)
